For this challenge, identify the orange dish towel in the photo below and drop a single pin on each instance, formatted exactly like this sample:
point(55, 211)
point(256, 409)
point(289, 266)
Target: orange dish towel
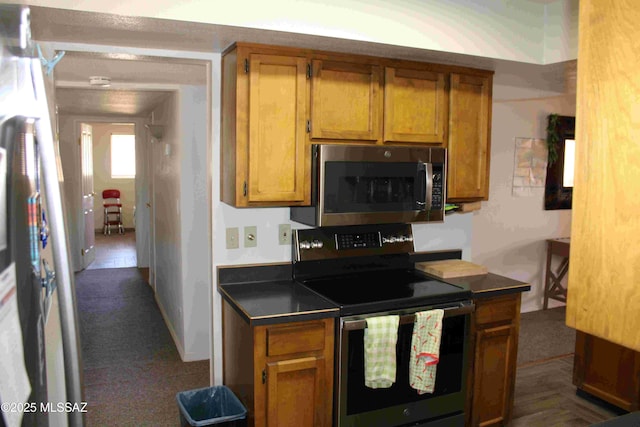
point(425, 350)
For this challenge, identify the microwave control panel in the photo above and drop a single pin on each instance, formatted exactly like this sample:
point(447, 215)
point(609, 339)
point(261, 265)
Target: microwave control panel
point(437, 196)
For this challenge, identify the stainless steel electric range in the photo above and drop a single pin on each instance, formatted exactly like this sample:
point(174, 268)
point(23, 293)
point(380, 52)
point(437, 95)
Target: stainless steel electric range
point(368, 271)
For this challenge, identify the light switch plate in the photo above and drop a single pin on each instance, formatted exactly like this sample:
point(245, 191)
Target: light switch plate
point(250, 236)
point(284, 234)
point(232, 238)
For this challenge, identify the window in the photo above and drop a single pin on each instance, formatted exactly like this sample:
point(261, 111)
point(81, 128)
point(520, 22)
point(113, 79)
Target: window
point(123, 156)
point(569, 162)
point(561, 166)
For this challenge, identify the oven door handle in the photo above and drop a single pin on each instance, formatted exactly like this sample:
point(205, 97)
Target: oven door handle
point(458, 310)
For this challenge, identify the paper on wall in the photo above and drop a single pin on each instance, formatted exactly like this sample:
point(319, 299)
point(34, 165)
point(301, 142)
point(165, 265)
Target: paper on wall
point(14, 382)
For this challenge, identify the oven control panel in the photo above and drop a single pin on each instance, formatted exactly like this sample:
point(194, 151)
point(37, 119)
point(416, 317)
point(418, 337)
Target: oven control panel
point(360, 240)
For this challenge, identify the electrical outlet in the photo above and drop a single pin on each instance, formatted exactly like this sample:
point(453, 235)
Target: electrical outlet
point(232, 238)
point(250, 236)
point(284, 234)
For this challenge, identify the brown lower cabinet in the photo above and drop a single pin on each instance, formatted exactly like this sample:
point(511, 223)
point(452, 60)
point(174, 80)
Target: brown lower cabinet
point(494, 340)
point(282, 373)
point(608, 371)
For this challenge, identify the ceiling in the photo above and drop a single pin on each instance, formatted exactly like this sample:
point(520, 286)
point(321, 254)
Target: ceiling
point(139, 83)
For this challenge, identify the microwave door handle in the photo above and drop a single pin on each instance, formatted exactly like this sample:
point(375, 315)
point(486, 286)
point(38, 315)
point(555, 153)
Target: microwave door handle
point(428, 179)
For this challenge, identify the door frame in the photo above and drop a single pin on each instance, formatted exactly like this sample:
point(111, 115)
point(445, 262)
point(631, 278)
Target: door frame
point(88, 255)
point(141, 187)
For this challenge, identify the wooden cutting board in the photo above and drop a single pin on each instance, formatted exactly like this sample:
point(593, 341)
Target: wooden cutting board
point(451, 268)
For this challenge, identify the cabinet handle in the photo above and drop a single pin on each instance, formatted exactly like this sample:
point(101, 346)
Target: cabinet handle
point(264, 376)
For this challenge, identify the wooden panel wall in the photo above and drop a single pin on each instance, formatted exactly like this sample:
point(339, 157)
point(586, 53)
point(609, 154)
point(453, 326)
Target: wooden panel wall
point(604, 273)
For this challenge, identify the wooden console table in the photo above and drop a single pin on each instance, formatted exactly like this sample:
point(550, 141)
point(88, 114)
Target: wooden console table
point(553, 289)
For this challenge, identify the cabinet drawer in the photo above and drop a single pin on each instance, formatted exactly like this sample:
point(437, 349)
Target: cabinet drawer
point(295, 339)
point(499, 309)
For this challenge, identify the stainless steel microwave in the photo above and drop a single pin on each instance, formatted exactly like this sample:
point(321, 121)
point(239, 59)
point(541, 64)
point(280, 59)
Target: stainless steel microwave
point(357, 184)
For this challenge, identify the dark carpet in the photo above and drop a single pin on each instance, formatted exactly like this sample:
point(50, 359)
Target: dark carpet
point(132, 369)
point(544, 335)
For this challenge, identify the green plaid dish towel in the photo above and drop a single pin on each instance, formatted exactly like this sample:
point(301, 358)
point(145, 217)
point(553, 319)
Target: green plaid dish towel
point(380, 339)
point(425, 350)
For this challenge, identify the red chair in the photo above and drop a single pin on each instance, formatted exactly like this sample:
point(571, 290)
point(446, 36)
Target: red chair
point(112, 211)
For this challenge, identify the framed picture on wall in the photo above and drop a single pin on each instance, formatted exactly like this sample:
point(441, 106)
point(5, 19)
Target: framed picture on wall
point(560, 164)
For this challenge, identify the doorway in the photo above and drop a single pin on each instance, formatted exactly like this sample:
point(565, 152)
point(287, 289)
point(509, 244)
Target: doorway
point(173, 174)
point(113, 168)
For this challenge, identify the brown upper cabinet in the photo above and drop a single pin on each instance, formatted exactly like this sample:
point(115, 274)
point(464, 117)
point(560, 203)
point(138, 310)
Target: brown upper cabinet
point(264, 113)
point(277, 101)
point(346, 101)
point(469, 133)
point(415, 106)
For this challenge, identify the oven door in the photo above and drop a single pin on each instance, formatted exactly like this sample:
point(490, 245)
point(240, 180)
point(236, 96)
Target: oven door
point(399, 405)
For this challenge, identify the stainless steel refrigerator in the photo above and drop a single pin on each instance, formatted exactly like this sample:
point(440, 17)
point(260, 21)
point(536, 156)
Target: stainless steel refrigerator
point(40, 364)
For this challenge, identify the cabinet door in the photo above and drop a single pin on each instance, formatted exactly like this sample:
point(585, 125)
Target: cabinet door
point(414, 106)
point(608, 371)
point(277, 114)
point(603, 293)
point(294, 393)
point(494, 375)
point(345, 101)
point(468, 145)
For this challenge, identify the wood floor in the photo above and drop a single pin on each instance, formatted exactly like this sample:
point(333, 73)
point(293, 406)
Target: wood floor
point(546, 397)
point(115, 251)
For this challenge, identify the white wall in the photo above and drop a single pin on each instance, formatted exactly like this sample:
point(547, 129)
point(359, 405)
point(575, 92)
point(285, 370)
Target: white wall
point(509, 232)
point(561, 31)
point(102, 179)
point(166, 171)
point(427, 24)
point(195, 221)
point(180, 170)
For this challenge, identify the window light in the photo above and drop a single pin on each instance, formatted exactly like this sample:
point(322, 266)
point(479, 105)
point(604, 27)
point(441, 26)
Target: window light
point(569, 162)
point(123, 156)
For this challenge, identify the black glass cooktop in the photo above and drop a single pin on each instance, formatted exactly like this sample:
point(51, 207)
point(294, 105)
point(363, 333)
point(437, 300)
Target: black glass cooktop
point(385, 290)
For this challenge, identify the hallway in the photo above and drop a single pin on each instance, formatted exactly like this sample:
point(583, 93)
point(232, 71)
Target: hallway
point(132, 369)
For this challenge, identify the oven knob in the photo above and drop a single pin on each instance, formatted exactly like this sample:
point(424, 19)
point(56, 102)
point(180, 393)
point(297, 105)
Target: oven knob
point(401, 239)
point(305, 245)
point(317, 244)
point(406, 412)
point(392, 239)
point(409, 238)
point(385, 240)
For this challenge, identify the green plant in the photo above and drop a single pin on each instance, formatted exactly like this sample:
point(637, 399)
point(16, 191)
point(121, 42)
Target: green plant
point(552, 139)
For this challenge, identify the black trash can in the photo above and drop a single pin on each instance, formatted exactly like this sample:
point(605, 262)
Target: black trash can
point(211, 406)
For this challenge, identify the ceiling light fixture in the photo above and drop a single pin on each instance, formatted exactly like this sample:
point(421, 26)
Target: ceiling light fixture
point(100, 81)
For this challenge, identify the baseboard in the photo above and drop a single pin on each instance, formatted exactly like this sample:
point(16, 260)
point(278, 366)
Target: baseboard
point(173, 334)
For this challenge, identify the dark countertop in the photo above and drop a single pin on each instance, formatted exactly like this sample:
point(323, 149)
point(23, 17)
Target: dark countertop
point(265, 294)
point(488, 285)
point(275, 299)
